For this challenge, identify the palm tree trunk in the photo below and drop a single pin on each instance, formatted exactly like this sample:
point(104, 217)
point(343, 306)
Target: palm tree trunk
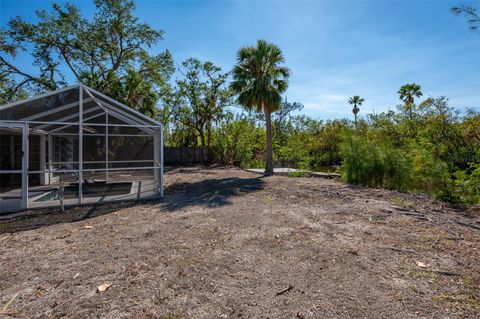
point(269, 163)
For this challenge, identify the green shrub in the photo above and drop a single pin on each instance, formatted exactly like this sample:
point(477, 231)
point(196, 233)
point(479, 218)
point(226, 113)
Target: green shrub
point(299, 174)
point(374, 165)
point(467, 185)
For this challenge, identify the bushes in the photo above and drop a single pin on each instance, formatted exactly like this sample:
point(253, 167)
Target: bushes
point(467, 185)
point(240, 142)
point(413, 167)
point(325, 148)
point(434, 151)
point(374, 165)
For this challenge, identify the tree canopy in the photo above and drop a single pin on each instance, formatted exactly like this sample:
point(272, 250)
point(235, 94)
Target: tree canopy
point(109, 52)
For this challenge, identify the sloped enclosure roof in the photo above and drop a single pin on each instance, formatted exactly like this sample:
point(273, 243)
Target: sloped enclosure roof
point(59, 111)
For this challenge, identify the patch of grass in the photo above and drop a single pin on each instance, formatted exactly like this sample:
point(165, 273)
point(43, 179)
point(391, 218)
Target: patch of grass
point(403, 222)
point(4, 225)
point(172, 315)
point(268, 198)
point(460, 300)
point(399, 201)
point(417, 274)
point(397, 296)
point(299, 174)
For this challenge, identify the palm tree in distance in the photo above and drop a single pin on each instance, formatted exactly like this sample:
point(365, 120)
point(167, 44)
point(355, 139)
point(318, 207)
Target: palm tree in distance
point(356, 101)
point(407, 93)
point(259, 79)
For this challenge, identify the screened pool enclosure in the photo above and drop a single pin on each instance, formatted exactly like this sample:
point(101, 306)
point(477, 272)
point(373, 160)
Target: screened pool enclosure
point(77, 146)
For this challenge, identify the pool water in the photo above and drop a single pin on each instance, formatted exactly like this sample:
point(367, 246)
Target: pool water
point(97, 189)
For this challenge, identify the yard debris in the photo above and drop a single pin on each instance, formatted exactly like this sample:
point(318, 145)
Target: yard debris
point(1, 239)
point(400, 250)
point(284, 290)
point(103, 287)
point(466, 224)
point(252, 269)
point(445, 273)
point(8, 303)
point(40, 292)
point(300, 315)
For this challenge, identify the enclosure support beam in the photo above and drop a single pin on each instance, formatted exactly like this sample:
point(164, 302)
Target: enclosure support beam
point(106, 146)
point(65, 126)
point(156, 158)
point(52, 111)
point(50, 154)
point(161, 161)
point(122, 115)
point(25, 166)
point(120, 105)
point(80, 144)
point(42, 159)
point(12, 151)
point(62, 120)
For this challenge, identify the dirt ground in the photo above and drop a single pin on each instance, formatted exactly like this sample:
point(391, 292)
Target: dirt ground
point(226, 243)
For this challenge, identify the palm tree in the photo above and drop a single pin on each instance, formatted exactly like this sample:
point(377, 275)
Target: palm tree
point(356, 101)
point(471, 14)
point(407, 93)
point(259, 78)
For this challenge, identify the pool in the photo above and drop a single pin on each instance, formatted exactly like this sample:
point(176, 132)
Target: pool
point(96, 189)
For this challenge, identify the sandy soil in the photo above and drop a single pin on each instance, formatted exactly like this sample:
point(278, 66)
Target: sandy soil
point(226, 243)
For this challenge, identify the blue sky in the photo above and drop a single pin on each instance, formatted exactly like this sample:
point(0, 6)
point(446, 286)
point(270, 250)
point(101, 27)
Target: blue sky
point(335, 49)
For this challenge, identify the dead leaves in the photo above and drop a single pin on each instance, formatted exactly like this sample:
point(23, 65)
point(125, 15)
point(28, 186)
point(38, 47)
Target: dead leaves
point(103, 287)
point(421, 264)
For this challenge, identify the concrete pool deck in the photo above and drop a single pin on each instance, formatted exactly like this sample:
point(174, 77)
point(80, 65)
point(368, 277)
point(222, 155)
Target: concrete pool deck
point(10, 201)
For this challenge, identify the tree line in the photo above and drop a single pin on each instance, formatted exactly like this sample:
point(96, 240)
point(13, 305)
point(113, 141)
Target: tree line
point(422, 145)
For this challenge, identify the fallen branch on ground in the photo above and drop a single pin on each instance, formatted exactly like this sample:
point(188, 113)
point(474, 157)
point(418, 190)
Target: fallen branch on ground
point(441, 272)
point(284, 290)
point(8, 303)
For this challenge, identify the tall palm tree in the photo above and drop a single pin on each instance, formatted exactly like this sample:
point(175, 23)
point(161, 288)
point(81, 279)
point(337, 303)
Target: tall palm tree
point(407, 93)
point(259, 78)
point(471, 14)
point(356, 101)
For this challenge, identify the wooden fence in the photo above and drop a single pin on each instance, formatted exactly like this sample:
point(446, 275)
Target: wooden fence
point(179, 156)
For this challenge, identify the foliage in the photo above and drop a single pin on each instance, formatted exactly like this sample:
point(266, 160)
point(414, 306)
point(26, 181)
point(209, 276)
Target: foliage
point(367, 162)
point(108, 52)
point(423, 146)
point(299, 174)
point(428, 148)
point(197, 102)
point(325, 148)
point(240, 141)
point(467, 184)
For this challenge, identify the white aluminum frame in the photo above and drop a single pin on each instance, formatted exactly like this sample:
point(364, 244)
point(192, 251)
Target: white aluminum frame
point(24, 128)
point(112, 108)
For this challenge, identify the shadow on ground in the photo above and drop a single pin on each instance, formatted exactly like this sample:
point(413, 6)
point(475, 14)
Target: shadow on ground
point(209, 192)
point(43, 218)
